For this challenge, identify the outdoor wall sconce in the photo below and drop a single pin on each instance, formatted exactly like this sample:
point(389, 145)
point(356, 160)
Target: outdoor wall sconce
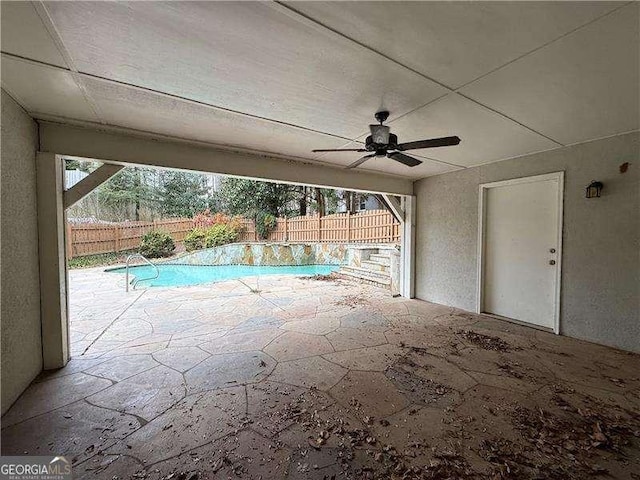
point(594, 189)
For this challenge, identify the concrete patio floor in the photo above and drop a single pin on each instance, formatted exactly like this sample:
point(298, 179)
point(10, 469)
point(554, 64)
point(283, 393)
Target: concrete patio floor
point(284, 377)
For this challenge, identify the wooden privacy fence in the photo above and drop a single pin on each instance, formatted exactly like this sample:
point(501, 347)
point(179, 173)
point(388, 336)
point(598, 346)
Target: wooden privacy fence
point(369, 226)
point(93, 238)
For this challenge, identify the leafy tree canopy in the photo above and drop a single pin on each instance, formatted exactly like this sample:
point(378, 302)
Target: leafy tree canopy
point(127, 187)
point(182, 194)
point(136, 193)
point(249, 197)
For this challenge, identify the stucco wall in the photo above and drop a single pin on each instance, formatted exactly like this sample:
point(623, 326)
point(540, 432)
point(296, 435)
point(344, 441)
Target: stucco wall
point(600, 297)
point(21, 354)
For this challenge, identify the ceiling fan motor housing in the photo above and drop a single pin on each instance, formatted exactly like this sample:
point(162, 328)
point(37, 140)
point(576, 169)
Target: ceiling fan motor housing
point(382, 116)
point(372, 146)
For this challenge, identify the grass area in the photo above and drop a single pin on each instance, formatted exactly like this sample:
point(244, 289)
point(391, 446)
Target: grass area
point(99, 260)
point(106, 259)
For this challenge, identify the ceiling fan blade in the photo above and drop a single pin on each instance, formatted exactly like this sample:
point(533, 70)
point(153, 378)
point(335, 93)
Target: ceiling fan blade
point(431, 143)
point(340, 150)
point(405, 159)
point(360, 161)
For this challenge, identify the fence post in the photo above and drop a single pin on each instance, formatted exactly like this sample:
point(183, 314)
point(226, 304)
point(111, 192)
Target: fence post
point(116, 237)
point(348, 226)
point(319, 227)
point(286, 229)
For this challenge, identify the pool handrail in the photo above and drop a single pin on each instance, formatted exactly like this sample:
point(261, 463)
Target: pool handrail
point(135, 282)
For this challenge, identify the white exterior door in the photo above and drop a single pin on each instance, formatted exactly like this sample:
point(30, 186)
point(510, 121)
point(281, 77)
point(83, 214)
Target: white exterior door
point(522, 219)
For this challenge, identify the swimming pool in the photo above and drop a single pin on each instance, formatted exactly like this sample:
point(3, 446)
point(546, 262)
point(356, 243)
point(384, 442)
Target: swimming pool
point(182, 275)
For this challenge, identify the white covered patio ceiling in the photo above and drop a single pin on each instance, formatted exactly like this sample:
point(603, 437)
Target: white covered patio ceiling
point(509, 78)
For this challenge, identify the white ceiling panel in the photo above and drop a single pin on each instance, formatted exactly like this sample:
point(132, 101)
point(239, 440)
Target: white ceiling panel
point(47, 90)
point(569, 70)
point(585, 86)
point(426, 169)
point(486, 136)
point(244, 56)
point(454, 42)
point(142, 110)
point(24, 34)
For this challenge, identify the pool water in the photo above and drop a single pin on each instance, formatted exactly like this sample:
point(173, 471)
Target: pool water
point(181, 275)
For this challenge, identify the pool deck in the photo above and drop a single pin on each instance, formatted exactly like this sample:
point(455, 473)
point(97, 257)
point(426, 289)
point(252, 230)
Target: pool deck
point(286, 377)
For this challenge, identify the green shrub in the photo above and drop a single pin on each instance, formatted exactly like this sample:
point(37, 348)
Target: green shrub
point(220, 234)
point(265, 223)
point(156, 244)
point(214, 236)
point(195, 239)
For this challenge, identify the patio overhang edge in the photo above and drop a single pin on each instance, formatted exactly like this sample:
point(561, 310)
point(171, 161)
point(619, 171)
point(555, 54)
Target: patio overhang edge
point(124, 148)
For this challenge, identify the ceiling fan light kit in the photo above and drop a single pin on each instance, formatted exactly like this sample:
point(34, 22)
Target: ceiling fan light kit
point(380, 134)
point(383, 143)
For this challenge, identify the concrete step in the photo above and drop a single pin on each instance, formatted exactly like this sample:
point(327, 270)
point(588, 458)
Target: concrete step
point(375, 266)
point(366, 274)
point(373, 281)
point(384, 258)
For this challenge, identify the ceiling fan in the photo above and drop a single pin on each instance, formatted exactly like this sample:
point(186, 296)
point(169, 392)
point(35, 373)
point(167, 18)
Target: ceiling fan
point(383, 143)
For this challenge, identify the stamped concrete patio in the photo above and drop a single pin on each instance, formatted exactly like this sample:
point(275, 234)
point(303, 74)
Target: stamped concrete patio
point(283, 377)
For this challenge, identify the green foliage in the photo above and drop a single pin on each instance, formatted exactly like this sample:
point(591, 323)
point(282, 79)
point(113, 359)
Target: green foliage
point(220, 234)
point(255, 199)
point(195, 239)
point(265, 223)
point(248, 197)
point(181, 194)
point(156, 244)
point(82, 165)
point(212, 236)
point(124, 194)
point(137, 193)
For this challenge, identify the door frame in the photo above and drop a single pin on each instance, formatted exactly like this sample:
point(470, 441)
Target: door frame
point(482, 190)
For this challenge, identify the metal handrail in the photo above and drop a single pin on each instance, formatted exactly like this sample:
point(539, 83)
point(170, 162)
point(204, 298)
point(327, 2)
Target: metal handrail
point(126, 270)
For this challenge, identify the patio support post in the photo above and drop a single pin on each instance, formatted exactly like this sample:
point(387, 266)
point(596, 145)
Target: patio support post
point(407, 251)
point(51, 250)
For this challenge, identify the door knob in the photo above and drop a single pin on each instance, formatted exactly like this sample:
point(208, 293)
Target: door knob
point(552, 262)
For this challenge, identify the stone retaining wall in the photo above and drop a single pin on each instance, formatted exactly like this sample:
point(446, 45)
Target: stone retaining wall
point(283, 254)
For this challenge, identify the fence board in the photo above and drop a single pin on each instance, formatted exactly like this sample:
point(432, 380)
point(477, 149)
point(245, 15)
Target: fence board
point(370, 226)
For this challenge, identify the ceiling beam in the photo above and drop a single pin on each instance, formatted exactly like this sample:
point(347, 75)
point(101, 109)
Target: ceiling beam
point(120, 147)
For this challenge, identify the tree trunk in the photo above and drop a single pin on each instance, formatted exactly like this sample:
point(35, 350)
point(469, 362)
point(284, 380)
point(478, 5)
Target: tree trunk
point(302, 211)
point(350, 200)
point(137, 193)
point(322, 210)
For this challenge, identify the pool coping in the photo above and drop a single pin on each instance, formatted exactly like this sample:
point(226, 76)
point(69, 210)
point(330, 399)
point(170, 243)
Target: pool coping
point(121, 267)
